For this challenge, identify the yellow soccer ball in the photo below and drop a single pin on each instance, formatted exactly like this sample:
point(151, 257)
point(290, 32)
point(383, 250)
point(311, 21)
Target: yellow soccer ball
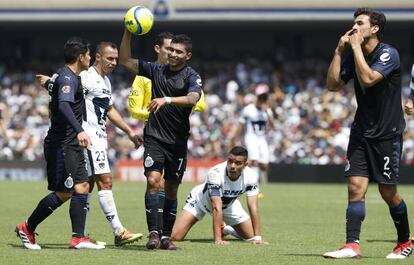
point(139, 20)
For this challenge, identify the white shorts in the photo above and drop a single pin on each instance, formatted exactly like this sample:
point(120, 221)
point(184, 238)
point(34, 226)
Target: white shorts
point(234, 214)
point(257, 148)
point(97, 158)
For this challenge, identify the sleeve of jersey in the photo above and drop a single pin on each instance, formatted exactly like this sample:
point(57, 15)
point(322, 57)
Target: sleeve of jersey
point(201, 105)
point(214, 183)
point(67, 89)
point(388, 61)
point(252, 187)
point(347, 68)
point(195, 84)
point(146, 68)
point(138, 98)
point(412, 78)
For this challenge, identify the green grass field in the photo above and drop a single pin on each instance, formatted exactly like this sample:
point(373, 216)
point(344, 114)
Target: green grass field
point(300, 221)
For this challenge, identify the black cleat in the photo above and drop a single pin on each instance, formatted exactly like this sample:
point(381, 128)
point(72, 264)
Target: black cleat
point(167, 244)
point(153, 240)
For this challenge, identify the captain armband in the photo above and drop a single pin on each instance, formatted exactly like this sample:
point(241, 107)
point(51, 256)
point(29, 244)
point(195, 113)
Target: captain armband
point(214, 190)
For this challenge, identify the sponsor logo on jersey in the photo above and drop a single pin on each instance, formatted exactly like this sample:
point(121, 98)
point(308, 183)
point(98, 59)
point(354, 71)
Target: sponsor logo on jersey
point(198, 81)
point(69, 182)
point(232, 192)
point(148, 162)
point(385, 57)
point(66, 89)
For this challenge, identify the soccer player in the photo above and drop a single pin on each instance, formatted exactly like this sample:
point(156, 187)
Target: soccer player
point(409, 105)
point(255, 117)
point(375, 144)
point(98, 100)
point(63, 148)
point(176, 88)
point(218, 196)
point(140, 96)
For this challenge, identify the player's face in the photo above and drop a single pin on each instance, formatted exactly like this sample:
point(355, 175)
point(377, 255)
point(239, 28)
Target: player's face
point(178, 55)
point(235, 165)
point(162, 52)
point(85, 60)
point(107, 60)
point(363, 25)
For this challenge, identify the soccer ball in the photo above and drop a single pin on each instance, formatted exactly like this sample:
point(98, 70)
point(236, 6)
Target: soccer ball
point(139, 20)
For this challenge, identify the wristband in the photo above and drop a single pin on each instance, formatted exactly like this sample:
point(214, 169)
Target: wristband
point(167, 100)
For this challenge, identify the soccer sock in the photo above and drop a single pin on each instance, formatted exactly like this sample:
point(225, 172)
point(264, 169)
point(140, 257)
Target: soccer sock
point(400, 217)
point(77, 211)
point(355, 214)
point(160, 217)
point(229, 230)
point(170, 213)
point(45, 208)
point(151, 210)
point(107, 203)
point(88, 207)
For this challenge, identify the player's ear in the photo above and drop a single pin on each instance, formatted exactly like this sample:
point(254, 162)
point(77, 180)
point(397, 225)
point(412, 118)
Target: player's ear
point(374, 29)
point(157, 49)
point(189, 54)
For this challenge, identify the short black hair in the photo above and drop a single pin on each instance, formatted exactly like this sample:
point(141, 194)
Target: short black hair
point(162, 36)
point(263, 97)
point(74, 47)
point(376, 18)
point(184, 39)
point(103, 44)
point(239, 151)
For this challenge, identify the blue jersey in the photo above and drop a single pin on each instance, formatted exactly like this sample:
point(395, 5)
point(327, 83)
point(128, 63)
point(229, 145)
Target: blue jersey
point(171, 123)
point(379, 114)
point(64, 85)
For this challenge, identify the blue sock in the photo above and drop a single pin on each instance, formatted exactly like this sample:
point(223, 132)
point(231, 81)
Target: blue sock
point(78, 211)
point(400, 217)
point(355, 214)
point(151, 210)
point(160, 217)
point(170, 213)
point(45, 208)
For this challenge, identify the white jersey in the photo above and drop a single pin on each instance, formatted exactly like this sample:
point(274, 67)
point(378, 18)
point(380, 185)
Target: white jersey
point(229, 190)
point(412, 78)
point(98, 98)
point(255, 120)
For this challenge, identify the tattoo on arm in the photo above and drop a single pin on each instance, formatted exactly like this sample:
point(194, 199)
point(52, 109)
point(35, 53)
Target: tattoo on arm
point(193, 97)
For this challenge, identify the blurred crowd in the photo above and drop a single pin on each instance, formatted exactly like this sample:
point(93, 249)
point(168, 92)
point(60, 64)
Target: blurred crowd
point(312, 124)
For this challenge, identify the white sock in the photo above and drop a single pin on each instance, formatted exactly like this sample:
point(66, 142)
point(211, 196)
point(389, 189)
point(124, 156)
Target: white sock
point(229, 230)
point(106, 200)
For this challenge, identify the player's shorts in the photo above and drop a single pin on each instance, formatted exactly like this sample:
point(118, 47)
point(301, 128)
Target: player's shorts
point(257, 148)
point(234, 214)
point(168, 158)
point(379, 160)
point(97, 158)
point(65, 165)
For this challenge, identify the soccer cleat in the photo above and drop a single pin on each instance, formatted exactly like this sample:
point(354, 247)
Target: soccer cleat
point(167, 244)
point(102, 243)
point(28, 239)
point(126, 237)
point(153, 240)
point(401, 251)
point(348, 251)
point(84, 243)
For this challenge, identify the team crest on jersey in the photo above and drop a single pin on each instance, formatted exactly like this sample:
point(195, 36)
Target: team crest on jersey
point(66, 89)
point(102, 165)
point(347, 166)
point(148, 161)
point(69, 182)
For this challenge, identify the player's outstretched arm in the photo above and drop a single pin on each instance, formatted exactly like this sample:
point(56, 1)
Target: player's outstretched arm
point(185, 101)
point(125, 53)
point(252, 205)
point(217, 206)
point(42, 80)
point(118, 121)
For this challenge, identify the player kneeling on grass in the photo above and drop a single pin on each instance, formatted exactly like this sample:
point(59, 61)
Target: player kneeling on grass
point(218, 196)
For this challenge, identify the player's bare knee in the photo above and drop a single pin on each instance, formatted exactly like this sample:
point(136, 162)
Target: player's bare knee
point(63, 196)
point(104, 182)
point(81, 188)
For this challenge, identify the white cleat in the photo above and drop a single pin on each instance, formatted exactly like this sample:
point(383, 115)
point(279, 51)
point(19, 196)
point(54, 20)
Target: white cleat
point(84, 243)
point(27, 238)
point(401, 251)
point(348, 251)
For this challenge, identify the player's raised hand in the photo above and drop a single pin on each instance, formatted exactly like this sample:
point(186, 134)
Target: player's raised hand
point(156, 104)
point(344, 40)
point(84, 140)
point(409, 107)
point(356, 38)
point(42, 79)
point(136, 139)
point(221, 242)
